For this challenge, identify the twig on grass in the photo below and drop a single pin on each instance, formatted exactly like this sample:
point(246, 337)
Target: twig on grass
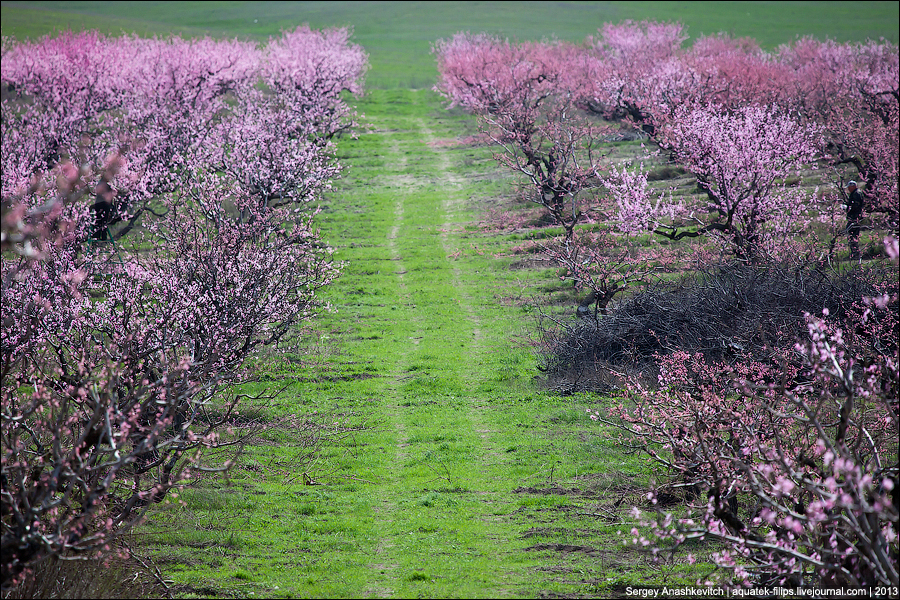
point(150, 568)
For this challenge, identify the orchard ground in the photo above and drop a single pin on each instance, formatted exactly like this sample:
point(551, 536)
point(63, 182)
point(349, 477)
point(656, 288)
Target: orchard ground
point(466, 480)
point(460, 476)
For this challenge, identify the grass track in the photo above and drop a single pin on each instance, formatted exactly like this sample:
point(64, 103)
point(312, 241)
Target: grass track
point(469, 481)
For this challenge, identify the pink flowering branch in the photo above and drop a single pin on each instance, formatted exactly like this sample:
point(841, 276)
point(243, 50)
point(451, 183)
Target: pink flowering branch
point(792, 466)
point(525, 99)
point(598, 264)
point(742, 160)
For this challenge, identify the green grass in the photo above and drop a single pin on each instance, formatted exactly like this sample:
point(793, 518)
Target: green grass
point(468, 480)
point(398, 35)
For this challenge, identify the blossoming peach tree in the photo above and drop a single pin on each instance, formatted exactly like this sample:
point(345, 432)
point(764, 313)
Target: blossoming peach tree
point(791, 464)
point(125, 338)
point(526, 97)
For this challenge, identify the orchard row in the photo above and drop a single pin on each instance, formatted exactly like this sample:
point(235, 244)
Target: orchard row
point(777, 428)
point(743, 121)
point(156, 235)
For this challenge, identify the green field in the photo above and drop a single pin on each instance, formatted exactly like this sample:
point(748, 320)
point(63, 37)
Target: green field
point(465, 477)
point(398, 35)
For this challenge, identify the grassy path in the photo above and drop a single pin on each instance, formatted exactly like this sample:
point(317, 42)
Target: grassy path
point(468, 481)
point(441, 489)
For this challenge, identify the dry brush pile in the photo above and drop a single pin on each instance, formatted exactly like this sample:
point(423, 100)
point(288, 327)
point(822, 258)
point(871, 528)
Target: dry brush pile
point(724, 313)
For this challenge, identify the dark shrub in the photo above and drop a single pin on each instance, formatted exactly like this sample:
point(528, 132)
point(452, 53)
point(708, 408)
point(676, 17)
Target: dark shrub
point(725, 313)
